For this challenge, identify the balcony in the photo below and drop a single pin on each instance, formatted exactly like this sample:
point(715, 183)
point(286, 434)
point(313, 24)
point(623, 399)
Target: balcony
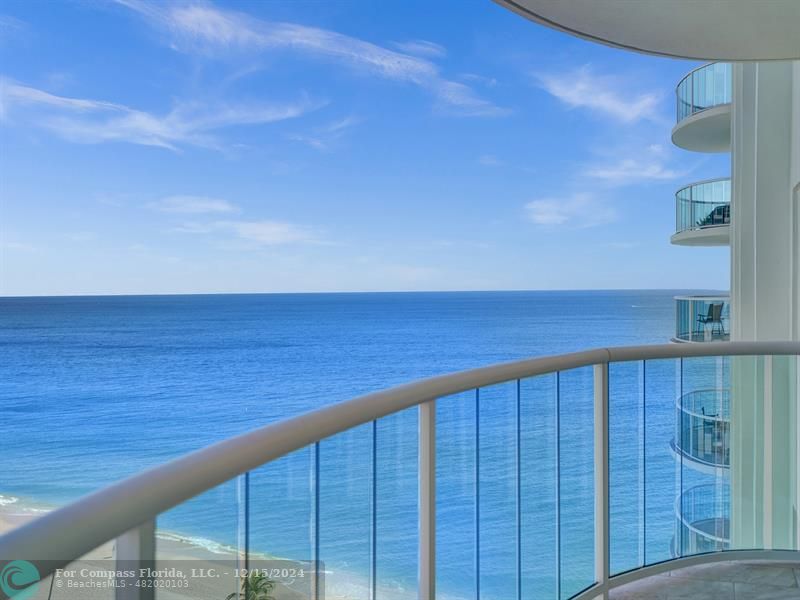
point(702, 430)
point(702, 319)
point(702, 515)
point(703, 214)
point(548, 478)
point(704, 109)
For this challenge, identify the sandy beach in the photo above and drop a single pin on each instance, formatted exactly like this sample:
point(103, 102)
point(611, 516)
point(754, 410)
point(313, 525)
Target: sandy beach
point(186, 569)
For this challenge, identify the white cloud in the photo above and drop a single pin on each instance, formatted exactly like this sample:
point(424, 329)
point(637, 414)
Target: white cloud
point(269, 233)
point(576, 211)
point(487, 81)
point(322, 138)
point(13, 94)
point(580, 88)
point(192, 205)
point(459, 99)
point(422, 48)
point(635, 166)
point(201, 27)
point(10, 27)
point(18, 246)
point(262, 233)
point(95, 121)
point(489, 160)
point(632, 170)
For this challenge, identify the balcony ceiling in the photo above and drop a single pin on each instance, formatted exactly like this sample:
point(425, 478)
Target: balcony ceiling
point(728, 30)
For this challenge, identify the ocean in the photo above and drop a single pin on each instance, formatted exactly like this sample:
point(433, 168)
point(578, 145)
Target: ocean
point(93, 389)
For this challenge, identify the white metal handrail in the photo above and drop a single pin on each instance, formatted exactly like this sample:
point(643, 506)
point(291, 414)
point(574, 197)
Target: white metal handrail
point(126, 510)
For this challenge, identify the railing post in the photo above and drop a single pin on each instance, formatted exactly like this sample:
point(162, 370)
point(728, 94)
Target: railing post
point(136, 549)
point(768, 457)
point(601, 545)
point(427, 500)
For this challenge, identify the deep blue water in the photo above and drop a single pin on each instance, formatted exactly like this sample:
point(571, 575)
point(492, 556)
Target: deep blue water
point(96, 388)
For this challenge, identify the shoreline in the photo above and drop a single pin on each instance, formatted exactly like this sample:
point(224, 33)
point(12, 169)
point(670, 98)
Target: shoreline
point(16, 511)
point(208, 554)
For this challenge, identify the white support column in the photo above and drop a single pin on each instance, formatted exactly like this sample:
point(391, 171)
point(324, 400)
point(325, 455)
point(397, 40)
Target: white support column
point(601, 545)
point(765, 161)
point(765, 295)
point(427, 501)
point(136, 549)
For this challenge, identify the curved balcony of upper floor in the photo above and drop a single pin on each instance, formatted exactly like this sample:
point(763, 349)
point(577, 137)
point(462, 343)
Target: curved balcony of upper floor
point(702, 319)
point(703, 214)
point(704, 109)
point(702, 430)
point(735, 31)
point(702, 520)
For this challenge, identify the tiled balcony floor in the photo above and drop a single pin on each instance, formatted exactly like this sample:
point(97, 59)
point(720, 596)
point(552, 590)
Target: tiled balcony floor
point(734, 580)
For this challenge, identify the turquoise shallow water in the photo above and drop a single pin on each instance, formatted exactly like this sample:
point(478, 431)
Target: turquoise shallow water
point(93, 389)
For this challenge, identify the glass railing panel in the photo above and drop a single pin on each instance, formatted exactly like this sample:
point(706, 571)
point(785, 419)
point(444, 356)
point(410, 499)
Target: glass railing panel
point(706, 87)
point(201, 537)
point(456, 453)
point(538, 545)
point(684, 93)
point(395, 528)
point(723, 84)
point(497, 499)
point(702, 427)
point(345, 512)
point(626, 422)
point(279, 513)
point(702, 318)
point(576, 479)
point(747, 450)
point(703, 205)
point(89, 577)
point(704, 518)
point(703, 508)
point(764, 442)
point(698, 89)
point(783, 388)
point(706, 373)
point(662, 385)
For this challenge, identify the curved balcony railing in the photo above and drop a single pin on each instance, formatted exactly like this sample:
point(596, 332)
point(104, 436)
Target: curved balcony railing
point(705, 87)
point(703, 519)
point(702, 318)
point(702, 428)
point(702, 205)
point(540, 478)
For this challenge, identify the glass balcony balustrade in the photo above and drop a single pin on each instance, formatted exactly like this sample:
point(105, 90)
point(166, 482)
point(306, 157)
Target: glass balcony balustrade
point(702, 515)
point(702, 318)
point(549, 478)
point(702, 428)
point(704, 88)
point(702, 205)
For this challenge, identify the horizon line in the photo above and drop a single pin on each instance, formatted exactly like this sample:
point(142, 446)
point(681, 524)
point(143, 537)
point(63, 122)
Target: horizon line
point(307, 293)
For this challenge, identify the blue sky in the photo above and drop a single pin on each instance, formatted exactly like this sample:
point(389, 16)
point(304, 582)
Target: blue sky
point(333, 146)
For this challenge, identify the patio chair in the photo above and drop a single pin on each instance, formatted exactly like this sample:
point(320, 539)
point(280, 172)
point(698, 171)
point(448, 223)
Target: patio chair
point(713, 318)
